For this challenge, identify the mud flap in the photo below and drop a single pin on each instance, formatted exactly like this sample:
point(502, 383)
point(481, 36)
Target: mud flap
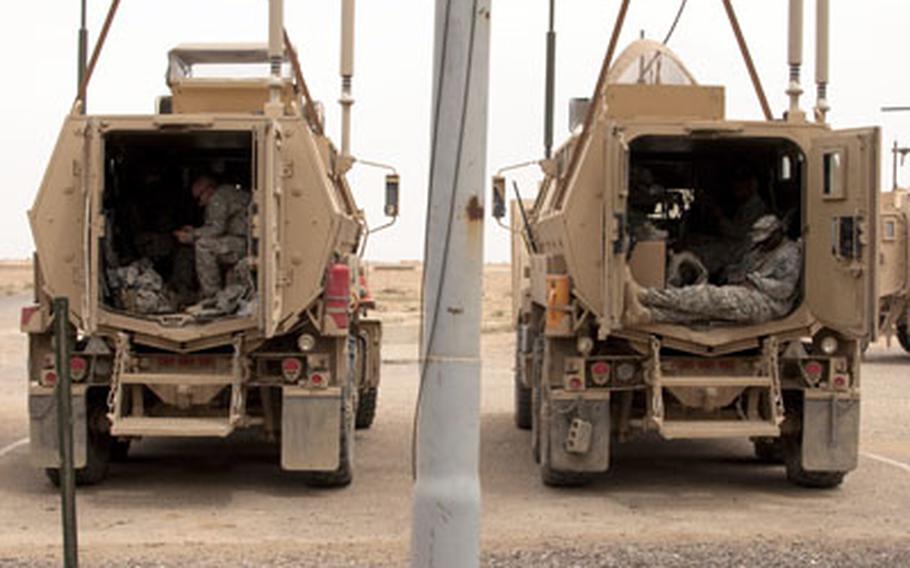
point(310, 427)
point(579, 432)
point(43, 436)
point(830, 432)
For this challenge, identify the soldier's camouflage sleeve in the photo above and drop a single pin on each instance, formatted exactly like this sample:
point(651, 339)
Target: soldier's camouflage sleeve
point(779, 277)
point(217, 213)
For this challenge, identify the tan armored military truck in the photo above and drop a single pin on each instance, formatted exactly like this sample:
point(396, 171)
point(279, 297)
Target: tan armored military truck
point(647, 178)
point(284, 347)
point(894, 259)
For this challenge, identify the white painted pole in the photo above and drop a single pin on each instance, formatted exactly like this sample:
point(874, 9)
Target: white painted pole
point(276, 50)
point(822, 40)
point(795, 58)
point(347, 74)
point(445, 528)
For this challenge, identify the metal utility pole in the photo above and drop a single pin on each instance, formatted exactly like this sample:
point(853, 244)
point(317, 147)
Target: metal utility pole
point(82, 57)
point(65, 432)
point(347, 75)
point(550, 84)
point(446, 502)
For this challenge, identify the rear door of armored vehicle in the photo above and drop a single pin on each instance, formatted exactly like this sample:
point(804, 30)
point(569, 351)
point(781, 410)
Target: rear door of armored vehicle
point(841, 236)
point(307, 216)
point(58, 217)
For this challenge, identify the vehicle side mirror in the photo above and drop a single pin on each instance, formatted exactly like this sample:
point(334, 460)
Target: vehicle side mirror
point(391, 195)
point(499, 197)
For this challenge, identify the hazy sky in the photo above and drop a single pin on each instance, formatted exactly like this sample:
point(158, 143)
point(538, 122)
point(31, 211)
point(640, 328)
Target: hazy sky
point(392, 85)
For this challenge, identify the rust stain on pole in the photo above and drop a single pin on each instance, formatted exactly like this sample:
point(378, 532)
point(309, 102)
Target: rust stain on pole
point(475, 209)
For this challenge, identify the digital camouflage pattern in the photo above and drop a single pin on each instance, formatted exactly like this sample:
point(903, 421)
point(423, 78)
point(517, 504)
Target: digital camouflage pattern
point(763, 287)
point(222, 240)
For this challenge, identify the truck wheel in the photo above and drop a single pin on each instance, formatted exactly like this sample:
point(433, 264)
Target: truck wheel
point(903, 337)
point(97, 455)
point(366, 407)
point(120, 450)
point(342, 476)
point(811, 479)
point(556, 478)
point(523, 410)
point(769, 450)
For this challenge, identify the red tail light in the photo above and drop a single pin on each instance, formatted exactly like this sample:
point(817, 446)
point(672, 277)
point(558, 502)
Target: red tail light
point(49, 378)
point(78, 368)
point(574, 383)
point(814, 370)
point(840, 382)
point(338, 294)
point(600, 372)
point(291, 368)
point(25, 316)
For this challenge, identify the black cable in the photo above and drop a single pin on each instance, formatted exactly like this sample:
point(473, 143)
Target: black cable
point(682, 7)
point(679, 13)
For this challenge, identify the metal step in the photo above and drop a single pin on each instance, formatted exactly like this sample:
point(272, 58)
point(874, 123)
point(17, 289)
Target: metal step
point(195, 380)
point(172, 427)
point(703, 381)
point(704, 429)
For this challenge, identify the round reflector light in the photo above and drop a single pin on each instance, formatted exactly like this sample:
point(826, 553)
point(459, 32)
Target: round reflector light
point(829, 345)
point(625, 372)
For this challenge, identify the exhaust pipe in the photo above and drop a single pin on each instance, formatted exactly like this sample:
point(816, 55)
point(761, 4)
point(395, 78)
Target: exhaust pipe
point(795, 58)
point(276, 48)
point(347, 74)
point(822, 34)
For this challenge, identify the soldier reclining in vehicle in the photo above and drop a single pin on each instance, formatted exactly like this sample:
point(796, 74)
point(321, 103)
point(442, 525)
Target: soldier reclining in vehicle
point(222, 240)
point(762, 287)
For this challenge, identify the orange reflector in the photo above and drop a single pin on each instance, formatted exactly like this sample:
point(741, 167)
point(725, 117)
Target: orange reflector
point(558, 304)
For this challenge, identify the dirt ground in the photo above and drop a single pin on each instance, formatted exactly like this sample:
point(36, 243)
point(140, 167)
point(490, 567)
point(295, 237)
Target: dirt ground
point(226, 503)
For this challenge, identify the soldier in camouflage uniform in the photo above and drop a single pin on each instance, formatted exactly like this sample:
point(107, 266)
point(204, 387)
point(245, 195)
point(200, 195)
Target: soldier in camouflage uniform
point(222, 240)
point(762, 287)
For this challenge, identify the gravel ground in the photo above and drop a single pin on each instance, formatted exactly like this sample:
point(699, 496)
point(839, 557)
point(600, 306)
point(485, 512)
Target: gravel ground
point(756, 553)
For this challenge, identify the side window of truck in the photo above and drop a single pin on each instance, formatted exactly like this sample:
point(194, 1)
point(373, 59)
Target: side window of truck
point(833, 164)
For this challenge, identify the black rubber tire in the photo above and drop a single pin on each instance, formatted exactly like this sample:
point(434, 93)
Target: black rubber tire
point(556, 478)
point(769, 450)
point(366, 407)
point(97, 458)
point(903, 337)
point(523, 406)
point(809, 479)
point(120, 450)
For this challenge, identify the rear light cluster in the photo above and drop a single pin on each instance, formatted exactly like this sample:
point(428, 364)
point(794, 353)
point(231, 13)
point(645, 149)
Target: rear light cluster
point(292, 371)
point(601, 373)
point(815, 372)
point(79, 371)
